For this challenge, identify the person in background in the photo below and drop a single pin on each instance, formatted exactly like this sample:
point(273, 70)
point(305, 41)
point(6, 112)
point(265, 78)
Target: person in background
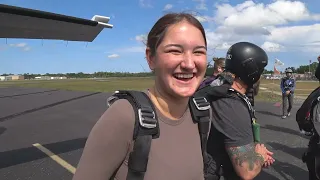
point(234, 138)
point(308, 120)
point(287, 86)
point(218, 68)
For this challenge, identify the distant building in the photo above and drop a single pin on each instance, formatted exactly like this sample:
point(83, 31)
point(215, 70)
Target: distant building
point(48, 78)
point(11, 77)
point(17, 77)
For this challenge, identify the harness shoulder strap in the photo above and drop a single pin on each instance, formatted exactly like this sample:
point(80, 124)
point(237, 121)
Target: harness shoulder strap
point(146, 128)
point(247, 102)
point(254, 124)
point(200, 112)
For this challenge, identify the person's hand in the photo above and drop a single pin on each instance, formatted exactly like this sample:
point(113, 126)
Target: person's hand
point(266, 154)
point(287, 92)
point(262, 150)
point(270, 160)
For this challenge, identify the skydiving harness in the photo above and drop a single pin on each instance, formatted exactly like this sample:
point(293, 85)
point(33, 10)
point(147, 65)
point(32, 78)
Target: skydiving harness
point(314, 144)
point(221, 91)
point(255, 125)
point(147, 127)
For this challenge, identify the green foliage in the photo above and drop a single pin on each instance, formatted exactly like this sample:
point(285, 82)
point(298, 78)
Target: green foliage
point(88, 75)
point(209, 71)
point(305, 68)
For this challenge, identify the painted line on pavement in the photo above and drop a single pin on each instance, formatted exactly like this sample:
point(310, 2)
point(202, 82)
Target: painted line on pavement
point(56, 158)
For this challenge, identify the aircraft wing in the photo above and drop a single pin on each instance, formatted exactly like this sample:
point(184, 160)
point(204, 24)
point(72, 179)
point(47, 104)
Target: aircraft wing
point(17, 22)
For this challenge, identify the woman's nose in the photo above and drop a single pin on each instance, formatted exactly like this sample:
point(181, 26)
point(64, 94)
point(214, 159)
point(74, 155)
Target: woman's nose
point(188, 62)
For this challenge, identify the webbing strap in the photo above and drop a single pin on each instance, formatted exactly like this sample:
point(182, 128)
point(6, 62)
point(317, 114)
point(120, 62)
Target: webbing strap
point(317, 164)
point(138, 159)
point(199, 108)
point(247, 102)
point(146, 129)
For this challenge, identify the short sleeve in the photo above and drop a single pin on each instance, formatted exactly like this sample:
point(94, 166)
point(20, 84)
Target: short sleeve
point(231, 118)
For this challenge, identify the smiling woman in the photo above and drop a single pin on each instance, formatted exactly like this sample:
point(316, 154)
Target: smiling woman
point(176, 52)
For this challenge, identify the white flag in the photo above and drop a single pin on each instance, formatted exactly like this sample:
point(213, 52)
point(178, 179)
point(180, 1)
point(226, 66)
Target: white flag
point(277, 62)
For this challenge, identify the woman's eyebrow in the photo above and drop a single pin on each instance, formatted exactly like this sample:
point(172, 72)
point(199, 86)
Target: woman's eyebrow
point(180, 46)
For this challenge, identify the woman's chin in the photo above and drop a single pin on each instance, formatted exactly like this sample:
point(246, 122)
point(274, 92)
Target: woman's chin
point(184, 92)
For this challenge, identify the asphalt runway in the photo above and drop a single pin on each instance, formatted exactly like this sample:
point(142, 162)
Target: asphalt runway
point(35, 120)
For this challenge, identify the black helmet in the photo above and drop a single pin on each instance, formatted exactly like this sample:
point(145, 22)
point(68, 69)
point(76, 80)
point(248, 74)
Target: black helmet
point(246, 61)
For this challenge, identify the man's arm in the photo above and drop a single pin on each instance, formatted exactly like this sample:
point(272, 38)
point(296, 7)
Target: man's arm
point(281, 86)
point(246, 161)
point(232, 119)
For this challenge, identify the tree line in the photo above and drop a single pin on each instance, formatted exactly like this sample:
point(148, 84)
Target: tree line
point(87, 75)
point(300, 70)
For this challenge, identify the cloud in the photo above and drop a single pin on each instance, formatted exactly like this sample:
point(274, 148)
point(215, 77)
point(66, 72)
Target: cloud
point(113, 56)
point(141, 38)
point(22, 46)
point(26, 48)
point(272, 47)
point(249, 13)
point(145, 3)
point(204, 18)
point(274, 25)
point(202, 5)
point(167, 7)
point(19, 45)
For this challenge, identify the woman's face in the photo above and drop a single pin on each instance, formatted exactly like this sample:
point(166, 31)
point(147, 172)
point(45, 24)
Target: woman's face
point(180, 60)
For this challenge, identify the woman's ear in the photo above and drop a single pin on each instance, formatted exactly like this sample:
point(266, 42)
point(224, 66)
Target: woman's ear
point(150, 58)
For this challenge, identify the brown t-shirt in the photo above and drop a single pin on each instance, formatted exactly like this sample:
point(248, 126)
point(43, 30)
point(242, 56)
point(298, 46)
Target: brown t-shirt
point(175, 155)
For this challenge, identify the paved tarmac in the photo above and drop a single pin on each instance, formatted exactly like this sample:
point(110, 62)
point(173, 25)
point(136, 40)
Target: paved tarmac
point(60, 122)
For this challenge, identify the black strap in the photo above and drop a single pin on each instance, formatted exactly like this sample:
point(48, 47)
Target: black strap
point(317, 163)
point(246, 100)
point(146, 129)
point(200, 112)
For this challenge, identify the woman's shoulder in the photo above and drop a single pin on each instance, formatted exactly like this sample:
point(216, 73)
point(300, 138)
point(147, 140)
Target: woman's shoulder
point(119, 115)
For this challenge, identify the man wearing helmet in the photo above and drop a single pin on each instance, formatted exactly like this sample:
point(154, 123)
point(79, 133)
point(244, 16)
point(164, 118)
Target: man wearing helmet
point(287, 86)
point(232, 143)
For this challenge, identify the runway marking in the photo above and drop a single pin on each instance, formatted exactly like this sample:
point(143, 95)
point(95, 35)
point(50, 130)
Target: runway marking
point(56, 158)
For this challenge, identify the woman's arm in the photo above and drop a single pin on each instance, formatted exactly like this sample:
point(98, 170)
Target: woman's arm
point(108, 143)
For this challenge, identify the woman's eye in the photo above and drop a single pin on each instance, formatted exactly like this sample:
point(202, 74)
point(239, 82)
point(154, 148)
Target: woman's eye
point(200, 52)
point(174, 51)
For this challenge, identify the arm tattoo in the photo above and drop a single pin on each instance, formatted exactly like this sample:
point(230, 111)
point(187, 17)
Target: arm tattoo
point(246, 154)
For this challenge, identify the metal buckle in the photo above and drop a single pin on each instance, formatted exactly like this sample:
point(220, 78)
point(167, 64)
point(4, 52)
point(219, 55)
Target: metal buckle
point(111, 100)
point(200, 106)
point(143, 121)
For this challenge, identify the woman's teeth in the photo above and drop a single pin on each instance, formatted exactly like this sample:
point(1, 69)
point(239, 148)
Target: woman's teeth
point(183, 76)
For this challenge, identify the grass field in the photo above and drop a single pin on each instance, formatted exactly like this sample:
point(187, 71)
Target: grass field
point(94, 85)
point(135, 83)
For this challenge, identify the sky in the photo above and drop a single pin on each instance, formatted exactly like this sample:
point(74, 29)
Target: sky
point(287, 30)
